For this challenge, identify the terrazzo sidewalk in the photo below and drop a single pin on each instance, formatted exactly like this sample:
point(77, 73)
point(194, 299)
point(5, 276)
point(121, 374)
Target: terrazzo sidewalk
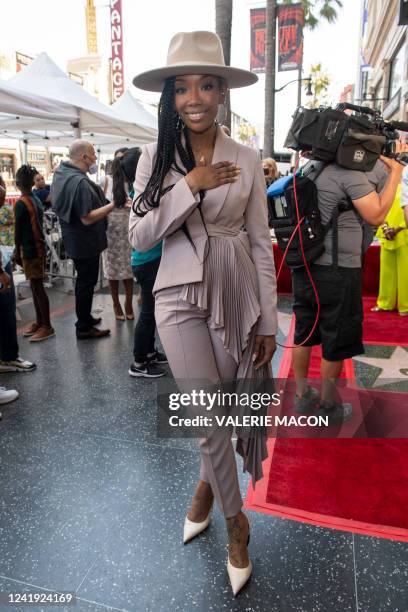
point(93, 502)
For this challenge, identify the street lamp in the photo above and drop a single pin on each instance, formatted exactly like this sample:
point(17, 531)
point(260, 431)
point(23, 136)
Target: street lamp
point(269, 141)
point(308, 79)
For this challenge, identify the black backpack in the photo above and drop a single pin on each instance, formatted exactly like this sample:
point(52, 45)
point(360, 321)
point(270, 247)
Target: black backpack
point(283, 217)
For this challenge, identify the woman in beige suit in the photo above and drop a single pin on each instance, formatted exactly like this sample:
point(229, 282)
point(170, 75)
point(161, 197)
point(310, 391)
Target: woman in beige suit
point(204, 195)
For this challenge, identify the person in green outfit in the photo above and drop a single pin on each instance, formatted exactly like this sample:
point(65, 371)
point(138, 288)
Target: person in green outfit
point(393, 236)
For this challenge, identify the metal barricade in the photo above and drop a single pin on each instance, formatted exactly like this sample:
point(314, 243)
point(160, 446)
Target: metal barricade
point(57, 265)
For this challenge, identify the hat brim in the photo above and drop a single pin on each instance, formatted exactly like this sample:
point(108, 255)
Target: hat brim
point(153, 80)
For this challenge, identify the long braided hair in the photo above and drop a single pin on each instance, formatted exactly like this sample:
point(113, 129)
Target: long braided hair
point(169, 140)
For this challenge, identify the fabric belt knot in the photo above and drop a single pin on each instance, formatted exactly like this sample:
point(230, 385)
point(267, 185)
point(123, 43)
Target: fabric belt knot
point(214, 230)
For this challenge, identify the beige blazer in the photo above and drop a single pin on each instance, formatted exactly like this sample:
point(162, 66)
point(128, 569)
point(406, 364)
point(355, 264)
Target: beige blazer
point(230, 206)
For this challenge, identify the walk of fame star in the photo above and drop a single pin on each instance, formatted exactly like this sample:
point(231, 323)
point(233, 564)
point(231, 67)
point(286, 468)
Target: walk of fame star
point(392, 368)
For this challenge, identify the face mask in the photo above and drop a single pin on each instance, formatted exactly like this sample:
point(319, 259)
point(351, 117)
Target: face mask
point(93, 168)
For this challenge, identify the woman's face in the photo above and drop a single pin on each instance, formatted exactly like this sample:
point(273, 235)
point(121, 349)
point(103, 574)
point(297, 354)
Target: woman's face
point(196, 100)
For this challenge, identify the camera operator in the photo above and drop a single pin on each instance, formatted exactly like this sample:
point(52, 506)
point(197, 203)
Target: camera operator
point(338, 284)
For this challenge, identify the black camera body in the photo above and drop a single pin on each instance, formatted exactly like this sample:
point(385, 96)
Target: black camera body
point(354, 141)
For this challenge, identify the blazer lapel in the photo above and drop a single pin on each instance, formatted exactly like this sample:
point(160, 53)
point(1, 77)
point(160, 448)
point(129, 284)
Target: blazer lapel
point(225, 149)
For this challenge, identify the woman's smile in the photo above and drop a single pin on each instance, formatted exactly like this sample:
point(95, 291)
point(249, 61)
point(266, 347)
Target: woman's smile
point(196, 116)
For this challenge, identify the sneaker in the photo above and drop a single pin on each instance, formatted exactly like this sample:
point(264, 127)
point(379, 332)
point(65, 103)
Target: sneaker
point(43, 334)
point(7, 395)
point(17, 365)
point(33, 329)
point(157, 357)
point(337, 413)
point(146, 370)
point(308, 402)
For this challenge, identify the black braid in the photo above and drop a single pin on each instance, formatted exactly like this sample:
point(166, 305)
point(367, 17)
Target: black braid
point(169, 139)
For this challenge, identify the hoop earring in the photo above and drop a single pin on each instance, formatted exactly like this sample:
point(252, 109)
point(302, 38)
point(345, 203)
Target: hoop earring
point(179, 123)
point(222, 114)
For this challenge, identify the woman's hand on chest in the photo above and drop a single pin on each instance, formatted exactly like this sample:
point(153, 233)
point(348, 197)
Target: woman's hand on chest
point(203, 178)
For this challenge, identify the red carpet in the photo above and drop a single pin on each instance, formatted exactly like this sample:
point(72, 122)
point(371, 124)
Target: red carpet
point(364, 480)
point(371, 271)
point(358, 485)
point(384, 327)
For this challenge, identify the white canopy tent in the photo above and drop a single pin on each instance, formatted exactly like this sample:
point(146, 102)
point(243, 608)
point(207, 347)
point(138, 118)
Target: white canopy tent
point(127, 107)
point(17, 105)
point(76, 111)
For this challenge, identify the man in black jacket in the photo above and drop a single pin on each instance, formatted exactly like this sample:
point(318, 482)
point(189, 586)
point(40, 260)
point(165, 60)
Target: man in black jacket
point(82, 210)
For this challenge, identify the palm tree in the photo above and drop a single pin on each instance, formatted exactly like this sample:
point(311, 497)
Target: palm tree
point(318, 9)
point(320, 85)
point(315, 10)
point(223, 25)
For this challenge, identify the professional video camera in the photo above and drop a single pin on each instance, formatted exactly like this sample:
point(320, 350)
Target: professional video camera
point(354, 141)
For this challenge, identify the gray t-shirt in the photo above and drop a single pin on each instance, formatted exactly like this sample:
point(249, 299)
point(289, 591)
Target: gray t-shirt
point(336, 184)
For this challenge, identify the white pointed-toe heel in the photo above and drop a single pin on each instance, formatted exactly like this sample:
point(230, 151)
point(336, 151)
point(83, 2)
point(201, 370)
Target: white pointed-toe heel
point(191, 529)
point(238, 576)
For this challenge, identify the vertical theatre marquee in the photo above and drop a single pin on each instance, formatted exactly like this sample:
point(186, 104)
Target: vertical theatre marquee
point(116, 25)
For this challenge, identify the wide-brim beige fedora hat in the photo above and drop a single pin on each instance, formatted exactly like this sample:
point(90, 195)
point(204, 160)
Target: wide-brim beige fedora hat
point(194, 53)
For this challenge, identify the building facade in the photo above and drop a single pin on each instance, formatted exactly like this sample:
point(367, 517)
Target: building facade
point(384, 64)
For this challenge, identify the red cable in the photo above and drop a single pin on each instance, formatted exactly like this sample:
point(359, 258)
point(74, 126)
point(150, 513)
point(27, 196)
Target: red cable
point(297, 229)
point(288, 245)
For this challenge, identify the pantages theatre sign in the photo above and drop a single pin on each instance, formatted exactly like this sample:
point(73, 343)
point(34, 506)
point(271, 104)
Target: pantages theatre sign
point(118, 83)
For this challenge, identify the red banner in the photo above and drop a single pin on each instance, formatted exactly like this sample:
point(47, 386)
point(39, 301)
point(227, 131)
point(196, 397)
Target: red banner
point(118, 81)
point(291, 19)
point(258, 31)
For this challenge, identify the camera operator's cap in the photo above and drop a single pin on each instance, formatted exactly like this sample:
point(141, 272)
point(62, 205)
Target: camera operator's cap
point(197, 52)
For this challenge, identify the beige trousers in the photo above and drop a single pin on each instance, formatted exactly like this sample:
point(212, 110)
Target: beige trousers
point(196, 352)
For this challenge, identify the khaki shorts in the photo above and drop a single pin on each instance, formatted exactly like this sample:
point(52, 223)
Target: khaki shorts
point(34, 268)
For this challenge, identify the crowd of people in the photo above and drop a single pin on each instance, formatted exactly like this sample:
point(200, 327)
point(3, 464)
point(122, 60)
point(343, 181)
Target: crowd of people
point(82, 208)
point(187, 218)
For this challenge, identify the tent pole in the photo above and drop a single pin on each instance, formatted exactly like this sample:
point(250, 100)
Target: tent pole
point(77, 129)
point(25, 151)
